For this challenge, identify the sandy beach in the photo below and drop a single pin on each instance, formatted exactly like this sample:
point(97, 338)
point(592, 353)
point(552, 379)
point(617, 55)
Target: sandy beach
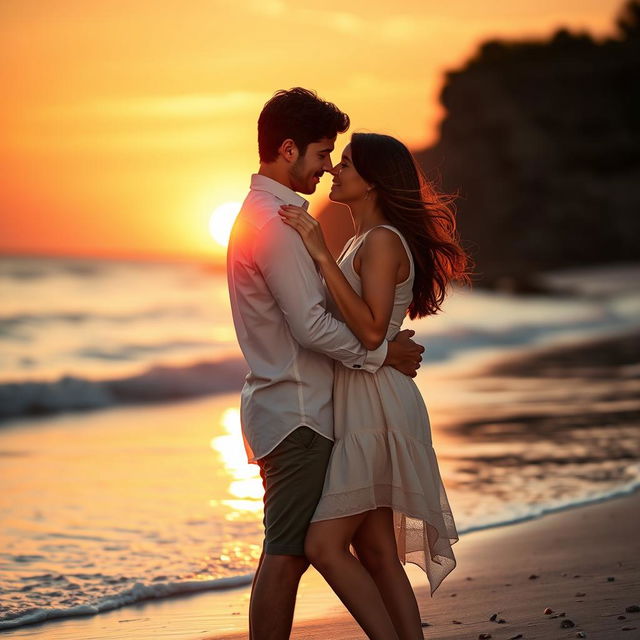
point(576, 403)
point(586, 563)
point(583, 564)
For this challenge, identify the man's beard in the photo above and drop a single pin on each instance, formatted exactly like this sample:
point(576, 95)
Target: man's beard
point(297, 175)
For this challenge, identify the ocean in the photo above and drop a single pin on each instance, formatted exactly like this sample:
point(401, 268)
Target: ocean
point(122, 471)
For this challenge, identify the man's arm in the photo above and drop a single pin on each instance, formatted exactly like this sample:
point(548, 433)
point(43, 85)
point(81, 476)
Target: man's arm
point(295, 284)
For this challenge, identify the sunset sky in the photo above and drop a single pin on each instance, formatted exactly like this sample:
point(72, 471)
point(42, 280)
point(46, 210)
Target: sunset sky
point(123, 125)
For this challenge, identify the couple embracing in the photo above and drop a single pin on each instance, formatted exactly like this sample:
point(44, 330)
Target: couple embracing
point(329, 410)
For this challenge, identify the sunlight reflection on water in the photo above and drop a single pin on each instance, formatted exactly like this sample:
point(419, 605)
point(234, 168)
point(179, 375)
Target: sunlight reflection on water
point(245, 484)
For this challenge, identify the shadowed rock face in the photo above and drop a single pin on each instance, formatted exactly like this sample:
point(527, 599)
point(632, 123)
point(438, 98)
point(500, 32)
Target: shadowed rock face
point(542, 142)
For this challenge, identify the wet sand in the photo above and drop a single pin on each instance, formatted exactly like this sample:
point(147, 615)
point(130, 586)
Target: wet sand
point(593, 550)
point(583, 564)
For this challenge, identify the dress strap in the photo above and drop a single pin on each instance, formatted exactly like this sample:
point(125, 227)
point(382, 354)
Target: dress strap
point(358, 240)
point(346, 248)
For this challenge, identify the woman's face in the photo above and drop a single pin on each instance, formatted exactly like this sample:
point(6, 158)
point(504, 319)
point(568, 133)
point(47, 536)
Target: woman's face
point(348, 186)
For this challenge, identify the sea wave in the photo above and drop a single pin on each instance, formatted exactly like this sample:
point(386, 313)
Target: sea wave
point(523, 512)
point(156, 384)
point(19, 320)
point(140, 592)
point(137, 593)
point(165, 382)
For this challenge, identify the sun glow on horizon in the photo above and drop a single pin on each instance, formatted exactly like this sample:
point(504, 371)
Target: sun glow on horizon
point(222, 220)
point(154, 126)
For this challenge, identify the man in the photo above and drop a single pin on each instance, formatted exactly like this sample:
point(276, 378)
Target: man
point(290, 342)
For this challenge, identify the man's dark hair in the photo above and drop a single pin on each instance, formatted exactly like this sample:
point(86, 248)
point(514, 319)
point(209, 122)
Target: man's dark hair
point(300, 115)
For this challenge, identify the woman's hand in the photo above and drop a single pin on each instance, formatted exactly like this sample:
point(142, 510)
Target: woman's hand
point(308, 228)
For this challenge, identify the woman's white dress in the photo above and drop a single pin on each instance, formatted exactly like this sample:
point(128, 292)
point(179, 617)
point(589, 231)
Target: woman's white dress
point(383, 455)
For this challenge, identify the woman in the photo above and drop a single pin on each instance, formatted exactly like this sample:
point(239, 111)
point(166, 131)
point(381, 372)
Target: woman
point(383, 496)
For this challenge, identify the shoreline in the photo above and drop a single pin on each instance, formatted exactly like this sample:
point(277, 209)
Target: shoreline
point(572, 554)
point(224, 612)
point(564, 561)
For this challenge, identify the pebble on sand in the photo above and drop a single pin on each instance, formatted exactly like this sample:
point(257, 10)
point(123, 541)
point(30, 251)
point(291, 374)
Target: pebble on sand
point(566, 624)
point(494, 618)
point(632, 608)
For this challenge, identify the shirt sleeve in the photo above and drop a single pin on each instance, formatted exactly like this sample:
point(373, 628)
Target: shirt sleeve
point(295, 284)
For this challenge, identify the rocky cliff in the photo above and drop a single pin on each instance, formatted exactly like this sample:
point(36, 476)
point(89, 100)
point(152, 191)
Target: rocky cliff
point(541, 139)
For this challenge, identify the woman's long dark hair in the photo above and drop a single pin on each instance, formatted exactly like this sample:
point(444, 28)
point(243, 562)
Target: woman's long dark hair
point(425, 217)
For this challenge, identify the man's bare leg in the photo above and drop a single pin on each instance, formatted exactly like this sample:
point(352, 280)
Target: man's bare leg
point(273, 596)
point(253, 587)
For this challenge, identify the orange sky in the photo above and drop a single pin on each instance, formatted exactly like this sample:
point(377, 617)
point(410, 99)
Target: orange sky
point(124, 124)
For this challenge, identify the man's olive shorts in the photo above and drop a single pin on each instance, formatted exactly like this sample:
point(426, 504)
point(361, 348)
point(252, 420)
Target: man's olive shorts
point(292, 477)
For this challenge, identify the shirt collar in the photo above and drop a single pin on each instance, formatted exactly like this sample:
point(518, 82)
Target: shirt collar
point(262, 183)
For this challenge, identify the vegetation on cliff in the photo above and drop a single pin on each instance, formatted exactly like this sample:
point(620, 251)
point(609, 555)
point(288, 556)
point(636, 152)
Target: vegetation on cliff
point(542, 142)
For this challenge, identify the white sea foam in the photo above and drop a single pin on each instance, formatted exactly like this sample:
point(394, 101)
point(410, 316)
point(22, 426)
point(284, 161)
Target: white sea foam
point(137, 593)
point(514, 513)
point(158, 384)
point(140, 592)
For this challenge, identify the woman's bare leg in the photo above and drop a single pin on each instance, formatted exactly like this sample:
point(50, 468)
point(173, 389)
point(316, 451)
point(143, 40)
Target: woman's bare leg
point(375, 544)
point(327, 548)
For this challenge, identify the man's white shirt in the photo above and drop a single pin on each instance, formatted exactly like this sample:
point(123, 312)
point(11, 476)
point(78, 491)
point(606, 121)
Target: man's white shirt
point(288, 338)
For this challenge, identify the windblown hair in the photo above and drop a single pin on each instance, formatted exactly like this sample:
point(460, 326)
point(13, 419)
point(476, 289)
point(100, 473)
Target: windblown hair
point(300, 115)
point(425, 217)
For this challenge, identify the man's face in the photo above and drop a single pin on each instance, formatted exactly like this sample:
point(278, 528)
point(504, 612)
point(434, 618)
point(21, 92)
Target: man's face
point(306, 171)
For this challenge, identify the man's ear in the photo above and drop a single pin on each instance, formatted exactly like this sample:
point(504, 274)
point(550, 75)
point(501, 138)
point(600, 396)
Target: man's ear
point(288, 150)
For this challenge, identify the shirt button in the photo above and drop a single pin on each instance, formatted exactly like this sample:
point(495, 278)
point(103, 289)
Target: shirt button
point(356, 366)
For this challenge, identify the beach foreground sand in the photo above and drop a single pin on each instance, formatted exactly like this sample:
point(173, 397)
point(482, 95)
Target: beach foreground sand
point(583, 564)
point(586, 559)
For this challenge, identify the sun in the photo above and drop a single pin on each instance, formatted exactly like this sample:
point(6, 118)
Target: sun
point(221, 221)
